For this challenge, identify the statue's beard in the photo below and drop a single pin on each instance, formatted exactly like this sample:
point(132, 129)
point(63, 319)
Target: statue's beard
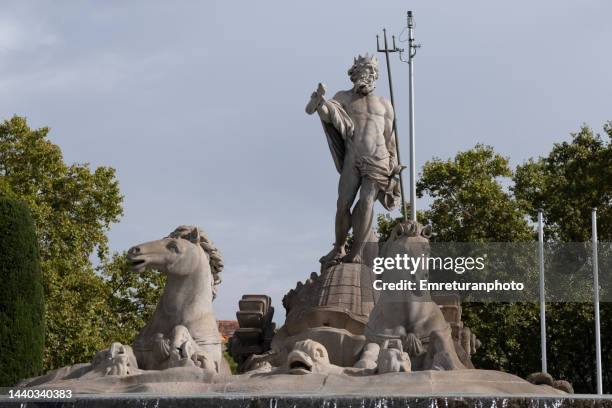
point(365, 85)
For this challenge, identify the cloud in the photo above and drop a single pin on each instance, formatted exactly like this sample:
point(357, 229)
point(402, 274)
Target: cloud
point(19, 35)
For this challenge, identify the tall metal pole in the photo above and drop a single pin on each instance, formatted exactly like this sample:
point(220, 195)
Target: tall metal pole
point(596, 301)
point(542, 292)
point(411, 53)
point(386, 50)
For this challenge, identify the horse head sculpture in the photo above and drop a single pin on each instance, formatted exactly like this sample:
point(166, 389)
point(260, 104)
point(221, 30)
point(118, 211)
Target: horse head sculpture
point(183, 329)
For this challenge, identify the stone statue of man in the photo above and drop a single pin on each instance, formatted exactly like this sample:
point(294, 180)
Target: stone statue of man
point(359, 129)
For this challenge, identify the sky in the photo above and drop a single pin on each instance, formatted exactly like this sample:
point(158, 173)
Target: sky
point(199, 106)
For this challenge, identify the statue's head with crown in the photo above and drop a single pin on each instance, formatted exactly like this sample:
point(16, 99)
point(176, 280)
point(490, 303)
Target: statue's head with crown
point(364, 73)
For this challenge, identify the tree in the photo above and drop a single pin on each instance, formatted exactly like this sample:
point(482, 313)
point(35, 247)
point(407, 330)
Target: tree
point(130, 297)
point(567, 183)
point(72, 207)
point(22, 330)
point(470, 204)
point(575, 177)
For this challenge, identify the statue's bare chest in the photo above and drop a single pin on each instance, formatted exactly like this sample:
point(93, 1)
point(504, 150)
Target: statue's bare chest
point(369, 107)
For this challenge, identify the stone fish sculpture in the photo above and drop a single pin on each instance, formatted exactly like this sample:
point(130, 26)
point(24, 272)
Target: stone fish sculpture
point(309, 357)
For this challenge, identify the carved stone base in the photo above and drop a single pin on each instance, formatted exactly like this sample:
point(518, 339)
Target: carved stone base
point(341, 297)
point(407, 385)
point(332, 309)
point(343, 347)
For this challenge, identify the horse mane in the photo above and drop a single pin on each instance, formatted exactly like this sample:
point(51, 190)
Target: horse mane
point(197, 236)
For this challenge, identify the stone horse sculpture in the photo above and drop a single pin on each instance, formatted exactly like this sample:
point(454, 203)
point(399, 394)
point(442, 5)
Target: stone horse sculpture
point(414, 320)
point(182, 334)
point(183, 329)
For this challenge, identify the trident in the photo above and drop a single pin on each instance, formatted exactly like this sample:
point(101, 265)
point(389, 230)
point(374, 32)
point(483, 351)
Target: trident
point(387, 51)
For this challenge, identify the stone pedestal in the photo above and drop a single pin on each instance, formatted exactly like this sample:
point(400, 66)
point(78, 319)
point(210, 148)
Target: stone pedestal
point(466, 387)
point(341, 297)
point(332, 309)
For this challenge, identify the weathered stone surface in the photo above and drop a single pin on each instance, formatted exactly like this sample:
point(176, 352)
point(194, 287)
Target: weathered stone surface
point(254, 336)
point(341, 297)
point(345, 346)
point(481, 382)
point(564, 386)
point(413, 318)
point(331, 309)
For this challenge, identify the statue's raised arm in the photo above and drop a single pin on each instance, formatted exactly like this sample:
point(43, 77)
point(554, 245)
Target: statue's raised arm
point(317, 100)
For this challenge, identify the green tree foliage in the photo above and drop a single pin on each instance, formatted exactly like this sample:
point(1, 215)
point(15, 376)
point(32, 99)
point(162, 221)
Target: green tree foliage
point(72, 207)
point(21, 295)
point(470, 203)
point(131, 298)
point(230, 361)
point(575, 177)
point(567, 183)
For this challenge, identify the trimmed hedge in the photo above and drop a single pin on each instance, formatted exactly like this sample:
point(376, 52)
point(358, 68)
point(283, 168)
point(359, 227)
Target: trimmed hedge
point(21, 295)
